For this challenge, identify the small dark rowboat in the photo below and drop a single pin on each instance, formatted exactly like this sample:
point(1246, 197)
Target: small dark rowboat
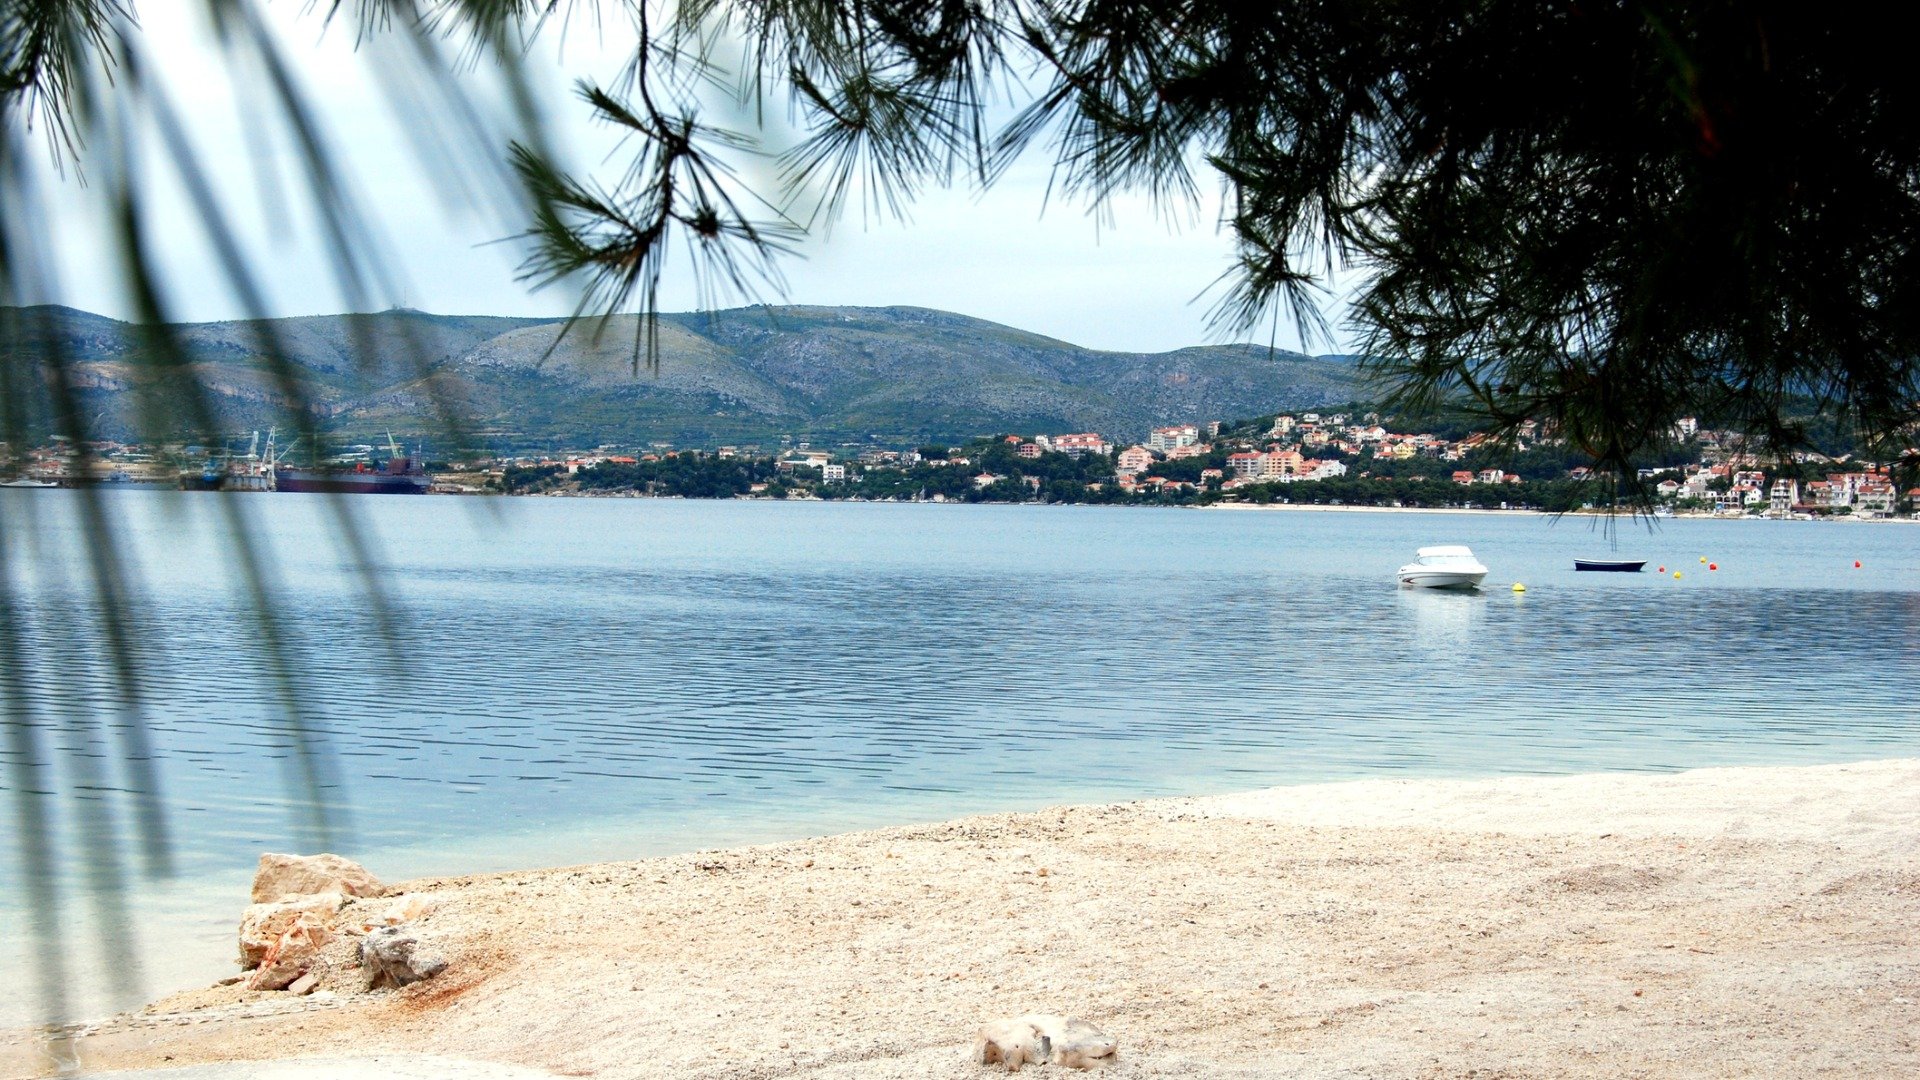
point(1611, 566)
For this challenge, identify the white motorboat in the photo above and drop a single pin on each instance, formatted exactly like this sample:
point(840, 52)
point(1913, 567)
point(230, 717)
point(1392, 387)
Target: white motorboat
point(1448, 567)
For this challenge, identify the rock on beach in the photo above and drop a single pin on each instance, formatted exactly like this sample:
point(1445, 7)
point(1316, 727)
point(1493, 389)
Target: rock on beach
point(291, 956)
point(392, 956)
point(1042, 1039)
point(280, 876)
point(263, 925)
point(281, 938)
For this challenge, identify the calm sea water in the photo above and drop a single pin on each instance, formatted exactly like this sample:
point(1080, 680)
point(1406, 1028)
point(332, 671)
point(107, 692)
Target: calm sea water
point(596, 679)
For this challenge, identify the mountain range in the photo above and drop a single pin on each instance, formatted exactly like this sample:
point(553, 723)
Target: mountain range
point(891, 376)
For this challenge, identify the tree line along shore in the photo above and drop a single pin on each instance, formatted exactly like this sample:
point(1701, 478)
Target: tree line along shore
point(1307, 460)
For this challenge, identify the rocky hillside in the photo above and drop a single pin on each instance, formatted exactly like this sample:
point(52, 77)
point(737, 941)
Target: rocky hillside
point(752, 375)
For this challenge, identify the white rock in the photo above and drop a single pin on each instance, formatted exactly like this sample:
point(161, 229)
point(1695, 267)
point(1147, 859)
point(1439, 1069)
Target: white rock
point(291, 956)
point(393, 956)
point(1074, 1042)
point(262, 924)
point(401, 909)
point(302, 875)
point(1042, 1039)
point(1012, 1043)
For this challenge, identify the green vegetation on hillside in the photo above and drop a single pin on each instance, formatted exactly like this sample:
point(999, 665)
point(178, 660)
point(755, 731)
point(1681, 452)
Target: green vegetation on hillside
point(991, 470)
point(893, 377)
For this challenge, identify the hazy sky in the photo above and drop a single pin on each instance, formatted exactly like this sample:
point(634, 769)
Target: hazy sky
point(1135, 282)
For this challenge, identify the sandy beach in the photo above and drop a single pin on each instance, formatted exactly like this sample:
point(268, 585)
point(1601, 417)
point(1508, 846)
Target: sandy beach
point(1722, 922)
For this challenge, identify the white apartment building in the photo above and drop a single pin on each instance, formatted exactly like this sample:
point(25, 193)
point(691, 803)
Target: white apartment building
point(1782, 498)
point(1164, 439)
point(1085, 443)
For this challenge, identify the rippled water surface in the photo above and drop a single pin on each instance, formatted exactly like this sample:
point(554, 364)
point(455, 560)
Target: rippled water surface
point(587, 679)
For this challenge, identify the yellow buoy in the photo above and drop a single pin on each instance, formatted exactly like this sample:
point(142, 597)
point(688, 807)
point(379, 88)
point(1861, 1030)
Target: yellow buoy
point(1517, 587)
point(1676, 575)
point(1703, 558)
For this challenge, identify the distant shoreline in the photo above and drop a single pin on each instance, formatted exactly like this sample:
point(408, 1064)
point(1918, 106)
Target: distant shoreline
point(1321, 508)
point(1316, 507)
point(1295, 507)
point(1292, 507)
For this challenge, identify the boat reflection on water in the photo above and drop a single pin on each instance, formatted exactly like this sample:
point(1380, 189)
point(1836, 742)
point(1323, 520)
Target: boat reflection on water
point(1443, 620)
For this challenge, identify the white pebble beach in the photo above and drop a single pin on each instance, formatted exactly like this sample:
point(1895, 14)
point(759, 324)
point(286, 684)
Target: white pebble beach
point(1719, 922)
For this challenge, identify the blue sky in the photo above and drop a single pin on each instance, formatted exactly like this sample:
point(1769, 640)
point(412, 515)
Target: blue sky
point(1135, 281)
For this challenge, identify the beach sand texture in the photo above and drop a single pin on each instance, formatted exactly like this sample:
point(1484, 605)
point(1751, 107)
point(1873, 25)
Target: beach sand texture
point(1722, 922)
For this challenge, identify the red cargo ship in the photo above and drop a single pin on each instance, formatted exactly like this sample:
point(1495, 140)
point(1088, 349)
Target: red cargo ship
point(399, 476)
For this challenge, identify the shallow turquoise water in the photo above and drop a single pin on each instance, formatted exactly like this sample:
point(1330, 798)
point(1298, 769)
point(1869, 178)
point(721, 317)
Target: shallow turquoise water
point(589, 679)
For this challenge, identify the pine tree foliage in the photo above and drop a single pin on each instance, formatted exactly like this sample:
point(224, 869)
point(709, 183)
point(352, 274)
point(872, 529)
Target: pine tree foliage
point(1600, 216)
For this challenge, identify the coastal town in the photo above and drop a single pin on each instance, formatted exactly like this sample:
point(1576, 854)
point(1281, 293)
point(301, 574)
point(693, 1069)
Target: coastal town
point(1307, 458)
point(1122, 541)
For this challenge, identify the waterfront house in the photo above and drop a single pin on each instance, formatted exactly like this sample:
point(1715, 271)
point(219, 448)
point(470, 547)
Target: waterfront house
point(1134, 459)
point(1873, 497)
point(1781, 499)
